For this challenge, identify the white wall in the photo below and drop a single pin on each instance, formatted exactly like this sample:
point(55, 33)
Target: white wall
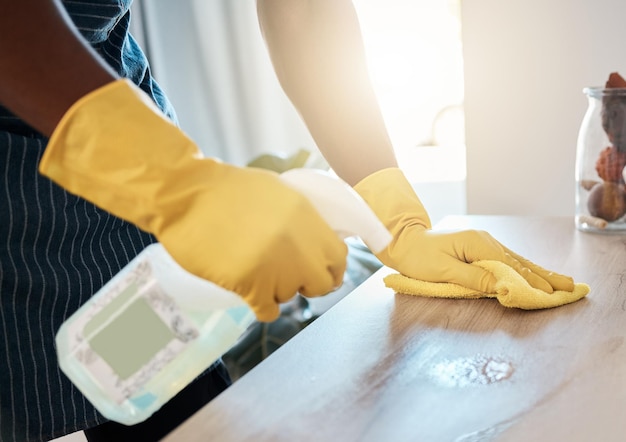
point(526, 63)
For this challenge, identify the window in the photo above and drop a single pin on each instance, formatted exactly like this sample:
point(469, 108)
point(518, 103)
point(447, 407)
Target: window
point(416, 64)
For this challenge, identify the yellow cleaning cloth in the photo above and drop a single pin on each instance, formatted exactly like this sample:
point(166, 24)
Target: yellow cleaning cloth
point(512, 290)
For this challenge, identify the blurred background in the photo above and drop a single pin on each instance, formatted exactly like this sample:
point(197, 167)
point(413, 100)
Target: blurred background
point(210, 58)
point(483, 98)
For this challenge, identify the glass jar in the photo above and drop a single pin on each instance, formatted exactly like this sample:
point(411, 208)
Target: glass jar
point(601, 161)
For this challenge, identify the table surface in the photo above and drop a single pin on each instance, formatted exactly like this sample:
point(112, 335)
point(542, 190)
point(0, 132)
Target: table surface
point(381, 366)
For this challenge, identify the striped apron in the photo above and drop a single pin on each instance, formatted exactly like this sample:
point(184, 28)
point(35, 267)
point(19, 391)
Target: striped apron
point(56, 250)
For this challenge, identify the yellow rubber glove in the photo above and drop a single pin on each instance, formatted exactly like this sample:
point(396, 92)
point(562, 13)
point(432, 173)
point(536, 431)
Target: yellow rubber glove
point(418, 252)
point(242, 229)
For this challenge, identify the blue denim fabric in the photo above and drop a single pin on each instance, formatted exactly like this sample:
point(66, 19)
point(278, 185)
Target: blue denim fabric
point(104, 24)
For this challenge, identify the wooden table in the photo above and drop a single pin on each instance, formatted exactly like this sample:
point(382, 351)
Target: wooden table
point(386, 367)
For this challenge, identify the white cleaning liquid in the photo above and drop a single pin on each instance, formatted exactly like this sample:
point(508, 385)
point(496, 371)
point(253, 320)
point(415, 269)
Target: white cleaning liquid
point(155, 327)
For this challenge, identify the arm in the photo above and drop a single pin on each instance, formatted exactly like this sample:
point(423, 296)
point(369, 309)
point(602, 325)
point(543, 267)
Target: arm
point(318, 55)
point(317, 52)
point(242, 229)
point(59, 69)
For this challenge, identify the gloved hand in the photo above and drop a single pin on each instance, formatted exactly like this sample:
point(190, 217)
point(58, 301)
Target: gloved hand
point(418, 252)
point(242, 229)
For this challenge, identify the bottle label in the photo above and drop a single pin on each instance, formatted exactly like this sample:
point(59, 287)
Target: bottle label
point(130, 333)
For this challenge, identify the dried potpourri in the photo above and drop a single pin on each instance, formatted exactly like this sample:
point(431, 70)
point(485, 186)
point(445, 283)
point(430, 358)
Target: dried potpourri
point(610, 164)
point(614, 113)
point(607, 200)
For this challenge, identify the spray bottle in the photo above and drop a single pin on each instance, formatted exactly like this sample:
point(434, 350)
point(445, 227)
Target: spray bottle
point(155, 327)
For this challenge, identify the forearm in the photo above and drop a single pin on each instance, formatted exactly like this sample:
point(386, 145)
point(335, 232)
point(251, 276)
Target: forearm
point(45, 66)
point(317, 51)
